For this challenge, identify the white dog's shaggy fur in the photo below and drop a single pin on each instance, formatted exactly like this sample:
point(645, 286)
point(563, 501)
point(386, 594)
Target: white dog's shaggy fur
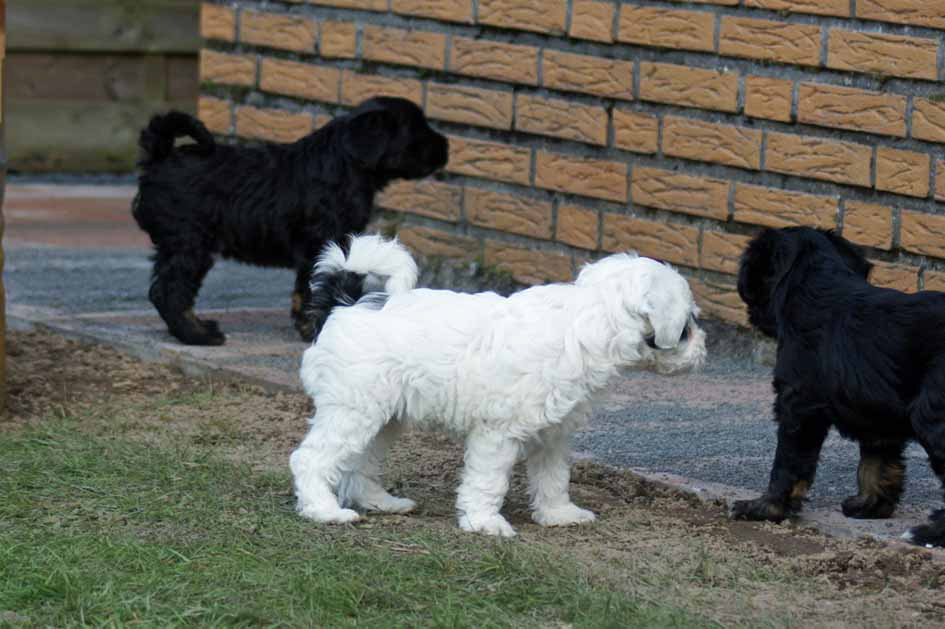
point(513, 376)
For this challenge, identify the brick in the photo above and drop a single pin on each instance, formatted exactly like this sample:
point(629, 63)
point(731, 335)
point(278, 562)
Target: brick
point(438, 243)
point(922, 233)
point(528, 265)
point(286, 32)
point(667, 28)
point(596, 178)
point(221, 67)
point(773, 41)
point(217, 22)
point(928, 120)
point(403, 47)
point(816, 158)
point(356, 88)
point(934, 280)
point(302, 80)
point(669, 190)
point(547, 16)
point(489, 160)
point(722, 251)
point(216, 114)
point(339, 40)
point(690, 87)
point(511, 213)
point(561, 119)
point(728, 3)
point(929, 13)
point(768, 98)
point(577, 226)
point(877, 53)
point(773, 207)
point(583, 73)
point(272, 124)
point(868, 224)
point(851, 108)
point(446, 10)
point(426, 198)
point(663, 241)
point(902, 172)
point(470, 105)
point(494, 60)
point(370, 5)
point(719, 300)
point(635, 131)
point(940, 180)
point(591, 19)
point(898, 276)
point(839, 8)
point(710, 142)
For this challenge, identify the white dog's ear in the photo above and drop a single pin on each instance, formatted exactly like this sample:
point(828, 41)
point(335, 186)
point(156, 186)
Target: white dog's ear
point(667, 317)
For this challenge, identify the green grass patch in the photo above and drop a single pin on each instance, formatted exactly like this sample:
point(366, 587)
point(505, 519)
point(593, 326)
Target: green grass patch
point(106, 531)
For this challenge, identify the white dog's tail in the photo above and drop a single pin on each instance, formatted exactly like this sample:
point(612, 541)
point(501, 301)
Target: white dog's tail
point(373, 269)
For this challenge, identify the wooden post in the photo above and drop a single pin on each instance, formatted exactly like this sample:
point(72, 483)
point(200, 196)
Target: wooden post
point(3, 171)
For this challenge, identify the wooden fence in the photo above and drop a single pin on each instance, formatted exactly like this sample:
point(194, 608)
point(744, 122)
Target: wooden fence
point(84, 76)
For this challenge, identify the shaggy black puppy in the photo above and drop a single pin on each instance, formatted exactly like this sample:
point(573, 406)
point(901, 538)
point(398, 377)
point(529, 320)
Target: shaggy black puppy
point(272, 205)
point(868, 361)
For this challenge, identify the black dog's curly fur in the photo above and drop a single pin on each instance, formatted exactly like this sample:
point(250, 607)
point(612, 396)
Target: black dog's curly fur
point(868, 361)
point(271, 205)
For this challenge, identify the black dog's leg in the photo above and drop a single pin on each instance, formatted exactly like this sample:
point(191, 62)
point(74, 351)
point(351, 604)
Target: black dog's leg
point(933, 533)
point(301, 297)
point(174, 285)
point(928, 422)
point(795, 463)
point(880, 476)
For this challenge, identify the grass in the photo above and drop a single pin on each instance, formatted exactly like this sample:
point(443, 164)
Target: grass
point(107, 531)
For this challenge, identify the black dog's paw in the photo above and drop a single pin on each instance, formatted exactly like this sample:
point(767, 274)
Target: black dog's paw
point(867, 507)
point(931, 535)
point(204, 338)
point(191, 335)
point(936, 515)
point(212, 327)
point(759, 509)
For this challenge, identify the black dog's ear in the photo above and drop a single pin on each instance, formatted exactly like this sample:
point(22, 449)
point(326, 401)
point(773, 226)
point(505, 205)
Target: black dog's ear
point(850, 253)
point(366, 136)
point(765, 262)
point(755, 268)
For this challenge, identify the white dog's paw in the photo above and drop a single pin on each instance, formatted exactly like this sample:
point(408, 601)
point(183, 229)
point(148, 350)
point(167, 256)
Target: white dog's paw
point(337, 516)
point(563, 516)
point(489, 525)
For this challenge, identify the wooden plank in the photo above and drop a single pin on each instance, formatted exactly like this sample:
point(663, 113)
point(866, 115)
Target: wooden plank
point(55, 136)
point(103, 25)
point(100, 77)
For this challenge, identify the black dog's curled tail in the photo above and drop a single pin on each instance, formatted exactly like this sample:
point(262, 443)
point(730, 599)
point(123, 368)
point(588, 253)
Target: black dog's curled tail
point(157, 139)
point(373, 269)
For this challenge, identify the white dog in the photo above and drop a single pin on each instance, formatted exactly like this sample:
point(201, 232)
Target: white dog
point(513, 376)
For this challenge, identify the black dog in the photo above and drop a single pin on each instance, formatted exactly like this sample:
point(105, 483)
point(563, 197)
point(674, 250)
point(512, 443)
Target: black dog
point(869, 361)
point(274, 205)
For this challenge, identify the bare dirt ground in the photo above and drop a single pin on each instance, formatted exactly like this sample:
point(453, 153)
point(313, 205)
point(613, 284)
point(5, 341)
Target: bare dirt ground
point(651, 542)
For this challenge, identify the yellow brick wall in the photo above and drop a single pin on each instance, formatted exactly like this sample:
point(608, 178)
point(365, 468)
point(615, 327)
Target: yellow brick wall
point(579, 127)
